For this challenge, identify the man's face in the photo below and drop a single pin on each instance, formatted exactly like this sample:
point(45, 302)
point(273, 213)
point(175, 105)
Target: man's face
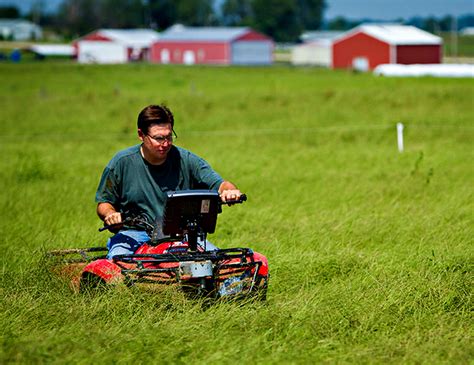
point(158, 140)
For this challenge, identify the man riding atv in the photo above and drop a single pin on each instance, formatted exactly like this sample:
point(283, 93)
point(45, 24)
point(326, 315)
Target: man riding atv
point(161, 201)
point(138, 179)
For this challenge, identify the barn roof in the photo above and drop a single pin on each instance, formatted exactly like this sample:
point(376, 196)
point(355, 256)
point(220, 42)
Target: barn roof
point(15, 22)
point(395, 34)
point(129, 37)
point(220, 34)
point(318, 35)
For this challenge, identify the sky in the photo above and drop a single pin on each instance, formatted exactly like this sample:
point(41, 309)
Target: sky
point(352, 9)
point(393, 9)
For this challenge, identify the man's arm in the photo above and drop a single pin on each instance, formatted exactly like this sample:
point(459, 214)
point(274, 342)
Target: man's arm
point(229, 192)
point(108, 213)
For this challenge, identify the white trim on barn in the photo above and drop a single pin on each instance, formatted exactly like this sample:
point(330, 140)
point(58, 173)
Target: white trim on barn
point(393, 53)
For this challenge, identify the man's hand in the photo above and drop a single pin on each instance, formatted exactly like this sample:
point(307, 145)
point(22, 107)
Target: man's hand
point(229, 192)
point(109, 215)
point(113, 218)
point(230, 195)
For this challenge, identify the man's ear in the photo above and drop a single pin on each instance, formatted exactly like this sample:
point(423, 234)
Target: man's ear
point(141, 135)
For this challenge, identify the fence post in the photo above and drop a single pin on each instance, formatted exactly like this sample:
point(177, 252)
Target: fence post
point(400, 137)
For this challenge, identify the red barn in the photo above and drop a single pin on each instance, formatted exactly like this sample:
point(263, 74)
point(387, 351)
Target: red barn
point(212, 45)
point(368, 46)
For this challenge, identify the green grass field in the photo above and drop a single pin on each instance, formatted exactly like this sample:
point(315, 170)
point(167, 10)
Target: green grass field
point(370, 250)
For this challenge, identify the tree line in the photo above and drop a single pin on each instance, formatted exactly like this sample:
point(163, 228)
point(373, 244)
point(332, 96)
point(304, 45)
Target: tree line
point(283, 20)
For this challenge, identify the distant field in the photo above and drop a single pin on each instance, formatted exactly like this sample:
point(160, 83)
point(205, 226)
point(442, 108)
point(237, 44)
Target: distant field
point(370, 250)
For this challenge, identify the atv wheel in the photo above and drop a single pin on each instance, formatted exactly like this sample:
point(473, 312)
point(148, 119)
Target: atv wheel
point(259, 291)
point(91, 283)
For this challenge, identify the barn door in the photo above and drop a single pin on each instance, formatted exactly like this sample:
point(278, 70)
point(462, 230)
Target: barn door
point(189, 58)
point(165, 56)
point(251, 53)
point(360, 64)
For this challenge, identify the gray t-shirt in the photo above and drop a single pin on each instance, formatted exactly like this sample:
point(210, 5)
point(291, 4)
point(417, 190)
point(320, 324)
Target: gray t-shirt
point(130, 183)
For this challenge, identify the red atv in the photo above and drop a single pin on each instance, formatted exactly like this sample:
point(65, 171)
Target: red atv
point(177, 253)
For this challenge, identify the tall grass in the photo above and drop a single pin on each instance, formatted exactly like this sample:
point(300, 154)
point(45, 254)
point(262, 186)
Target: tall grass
point(370, 250)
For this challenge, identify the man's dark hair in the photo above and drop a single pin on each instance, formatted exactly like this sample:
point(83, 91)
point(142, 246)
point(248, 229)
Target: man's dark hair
point(154, 114)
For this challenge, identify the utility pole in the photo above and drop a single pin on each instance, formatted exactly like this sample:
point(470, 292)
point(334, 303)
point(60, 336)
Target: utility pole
point(36, 10)
point(146, 13)
point(454, 36)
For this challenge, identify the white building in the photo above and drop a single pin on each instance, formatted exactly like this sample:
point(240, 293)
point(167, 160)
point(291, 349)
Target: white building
point(19, 30)
point(467, 31)
point(115, 45)
point(317, 49)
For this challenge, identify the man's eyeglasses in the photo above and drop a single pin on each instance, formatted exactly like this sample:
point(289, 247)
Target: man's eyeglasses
point(161, 140)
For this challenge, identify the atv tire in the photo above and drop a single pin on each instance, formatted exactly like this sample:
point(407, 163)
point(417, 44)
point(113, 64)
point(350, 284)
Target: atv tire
point(92, 283)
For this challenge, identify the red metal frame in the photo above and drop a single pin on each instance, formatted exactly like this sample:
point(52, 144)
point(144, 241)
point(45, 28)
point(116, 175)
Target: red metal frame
point(111, 272)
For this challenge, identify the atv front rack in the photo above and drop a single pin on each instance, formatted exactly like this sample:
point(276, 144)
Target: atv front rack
point(79, 255)
point(234, 265)
point(216, 255)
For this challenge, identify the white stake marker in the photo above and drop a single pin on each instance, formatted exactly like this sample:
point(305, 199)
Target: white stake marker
point(400, 136)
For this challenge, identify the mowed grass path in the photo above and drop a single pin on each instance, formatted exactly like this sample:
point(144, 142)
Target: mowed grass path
point(370, 250)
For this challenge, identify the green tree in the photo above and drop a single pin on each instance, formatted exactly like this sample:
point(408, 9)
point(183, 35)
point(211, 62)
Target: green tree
point(431, 24)
point(446, 23)
point(284, 20)
point(195, 12)
point(341, 23)
point(310, 13)
point(122, 13)
point(278, 19)
point(161, 13)
point(237, 12)
point(9, 12)
point(164, 13)
point(78, 17)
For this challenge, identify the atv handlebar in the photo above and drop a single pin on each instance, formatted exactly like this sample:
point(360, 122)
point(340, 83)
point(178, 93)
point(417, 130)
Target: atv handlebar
point(130, 220)
point(241, 199)
point(133, 220)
